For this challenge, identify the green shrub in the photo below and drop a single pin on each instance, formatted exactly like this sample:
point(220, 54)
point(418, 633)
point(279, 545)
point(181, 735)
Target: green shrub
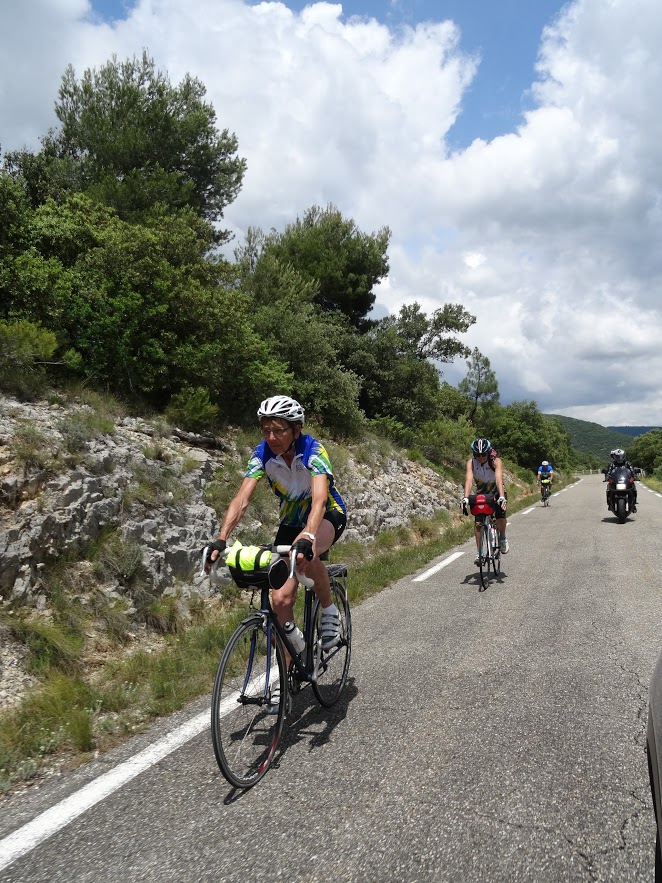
point(24, 346)
point(192, 409)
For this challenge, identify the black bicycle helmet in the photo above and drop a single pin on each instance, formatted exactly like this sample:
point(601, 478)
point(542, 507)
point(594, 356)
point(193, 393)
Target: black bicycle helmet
point(481, 446)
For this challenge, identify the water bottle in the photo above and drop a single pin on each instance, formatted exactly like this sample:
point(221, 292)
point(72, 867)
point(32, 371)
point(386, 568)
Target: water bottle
point(295, 637)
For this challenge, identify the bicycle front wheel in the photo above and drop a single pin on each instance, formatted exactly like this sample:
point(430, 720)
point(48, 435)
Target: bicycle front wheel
point(486, 553)
point(333, 665)
point(248, 702)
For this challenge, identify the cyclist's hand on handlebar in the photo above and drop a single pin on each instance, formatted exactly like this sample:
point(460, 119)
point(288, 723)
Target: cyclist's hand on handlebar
point(303, 548)
point(213, 550)
point(503, 502)
point(465, 505)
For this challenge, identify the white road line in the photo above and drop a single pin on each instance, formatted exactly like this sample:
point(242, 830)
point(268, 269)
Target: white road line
point(526, 511)
point(437, 567)
point(52, 820)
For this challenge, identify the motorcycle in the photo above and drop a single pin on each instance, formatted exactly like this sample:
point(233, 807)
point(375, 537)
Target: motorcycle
point(620, 492)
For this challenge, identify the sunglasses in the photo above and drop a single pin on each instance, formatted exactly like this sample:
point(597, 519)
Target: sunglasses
point(277, 433)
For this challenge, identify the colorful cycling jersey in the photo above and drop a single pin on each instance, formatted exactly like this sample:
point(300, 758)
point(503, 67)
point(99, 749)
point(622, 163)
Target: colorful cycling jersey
point(546, 469)
point(292, 484)
point(484, 476)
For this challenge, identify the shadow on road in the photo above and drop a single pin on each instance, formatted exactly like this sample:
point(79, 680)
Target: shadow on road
point(473, 579)
point(307, 721)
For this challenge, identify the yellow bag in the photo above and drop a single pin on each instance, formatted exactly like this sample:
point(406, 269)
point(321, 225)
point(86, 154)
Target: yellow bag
point(248, 565)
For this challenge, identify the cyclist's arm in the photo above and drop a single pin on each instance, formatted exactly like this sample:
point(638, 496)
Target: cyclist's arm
point(469, 478)
point(237, 507)
point(498, 475)
point(319, 485)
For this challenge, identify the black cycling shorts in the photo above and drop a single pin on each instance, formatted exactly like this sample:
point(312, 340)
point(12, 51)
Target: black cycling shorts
point(287, 533)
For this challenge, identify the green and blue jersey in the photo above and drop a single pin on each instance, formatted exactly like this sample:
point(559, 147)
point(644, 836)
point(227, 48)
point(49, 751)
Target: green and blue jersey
point(292, 484)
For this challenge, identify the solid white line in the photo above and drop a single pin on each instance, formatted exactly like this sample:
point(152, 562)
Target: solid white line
point(54, 819)
point(437, 567)
point(48, 823)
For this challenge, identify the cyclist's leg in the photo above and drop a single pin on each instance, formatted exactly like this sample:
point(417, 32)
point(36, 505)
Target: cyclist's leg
point(329, 530)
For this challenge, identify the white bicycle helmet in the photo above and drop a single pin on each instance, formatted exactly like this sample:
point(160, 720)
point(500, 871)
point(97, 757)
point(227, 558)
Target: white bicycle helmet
point(545, 463)
point(283, 407)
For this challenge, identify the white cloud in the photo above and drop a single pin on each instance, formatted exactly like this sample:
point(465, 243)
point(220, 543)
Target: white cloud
point(549, 235)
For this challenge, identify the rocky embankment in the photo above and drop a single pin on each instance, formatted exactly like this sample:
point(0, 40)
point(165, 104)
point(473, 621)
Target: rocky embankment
point(140, 494)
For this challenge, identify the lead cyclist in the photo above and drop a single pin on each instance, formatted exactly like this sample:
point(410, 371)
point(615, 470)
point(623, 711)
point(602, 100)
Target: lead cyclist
point(312, 513)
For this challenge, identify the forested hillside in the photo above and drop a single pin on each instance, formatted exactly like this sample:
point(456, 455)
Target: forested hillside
point(633, 431)
point(592, 438)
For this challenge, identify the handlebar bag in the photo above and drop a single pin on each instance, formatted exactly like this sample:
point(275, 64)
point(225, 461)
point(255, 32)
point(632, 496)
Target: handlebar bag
point(249, 565)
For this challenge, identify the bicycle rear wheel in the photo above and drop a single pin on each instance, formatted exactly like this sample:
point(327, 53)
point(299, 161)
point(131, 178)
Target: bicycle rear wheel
point(333, 665)
point(245, 723)
point(486, 553)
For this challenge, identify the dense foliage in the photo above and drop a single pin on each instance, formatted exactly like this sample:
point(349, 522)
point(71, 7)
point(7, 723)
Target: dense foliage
point(110, 275)
point(645, 451)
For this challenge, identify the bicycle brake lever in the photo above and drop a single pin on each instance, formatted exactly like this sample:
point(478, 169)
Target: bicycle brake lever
point(205, 553)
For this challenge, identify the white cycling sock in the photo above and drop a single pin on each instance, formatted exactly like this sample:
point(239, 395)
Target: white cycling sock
point(331, 609)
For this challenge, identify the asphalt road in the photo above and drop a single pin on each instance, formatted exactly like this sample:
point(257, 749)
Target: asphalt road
point(484, 736)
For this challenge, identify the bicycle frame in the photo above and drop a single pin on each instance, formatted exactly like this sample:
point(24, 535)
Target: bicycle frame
point(307, 670)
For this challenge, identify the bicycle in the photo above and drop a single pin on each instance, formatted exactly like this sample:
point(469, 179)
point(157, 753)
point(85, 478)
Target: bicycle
point(482, 507)
point(545, 490)
point(246, 717)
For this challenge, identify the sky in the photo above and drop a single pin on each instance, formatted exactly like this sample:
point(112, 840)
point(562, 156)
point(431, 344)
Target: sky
point(513, 148)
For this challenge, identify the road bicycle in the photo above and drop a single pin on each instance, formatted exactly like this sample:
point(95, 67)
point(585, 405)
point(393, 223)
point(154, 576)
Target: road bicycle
point(253, 686)
point(482, 506)
point(545, 490)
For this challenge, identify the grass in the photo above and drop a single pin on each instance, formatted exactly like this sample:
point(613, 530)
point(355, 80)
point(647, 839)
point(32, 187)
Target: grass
point(69, 717)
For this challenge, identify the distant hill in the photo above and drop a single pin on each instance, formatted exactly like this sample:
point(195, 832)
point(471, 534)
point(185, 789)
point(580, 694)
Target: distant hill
point(592, 438)
point(633, 430)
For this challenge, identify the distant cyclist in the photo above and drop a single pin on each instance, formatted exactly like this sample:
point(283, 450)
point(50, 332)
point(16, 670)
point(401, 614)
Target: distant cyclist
point(486, 469)
point(618, 459)
point(312, 512)
point(546, 471)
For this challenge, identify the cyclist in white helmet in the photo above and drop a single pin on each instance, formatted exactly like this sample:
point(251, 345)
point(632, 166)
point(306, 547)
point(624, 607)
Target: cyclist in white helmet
point(545, 470)
point(486, 469)
point(312, 512)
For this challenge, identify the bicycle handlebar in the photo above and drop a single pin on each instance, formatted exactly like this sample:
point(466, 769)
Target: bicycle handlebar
point(281, 551)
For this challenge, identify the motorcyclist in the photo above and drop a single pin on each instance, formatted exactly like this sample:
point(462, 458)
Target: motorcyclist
point(618, 460)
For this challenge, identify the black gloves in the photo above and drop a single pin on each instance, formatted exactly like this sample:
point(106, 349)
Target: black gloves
point(217, 546)
point(305, 548)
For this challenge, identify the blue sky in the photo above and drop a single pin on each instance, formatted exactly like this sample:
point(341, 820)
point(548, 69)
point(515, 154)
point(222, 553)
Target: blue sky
point(512, 148)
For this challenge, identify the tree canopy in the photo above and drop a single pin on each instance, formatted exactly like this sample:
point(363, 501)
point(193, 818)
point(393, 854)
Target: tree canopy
point(343, 263)
point(132, 140)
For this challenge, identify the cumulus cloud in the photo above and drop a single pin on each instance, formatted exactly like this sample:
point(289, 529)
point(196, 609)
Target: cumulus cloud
point(549, 234)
